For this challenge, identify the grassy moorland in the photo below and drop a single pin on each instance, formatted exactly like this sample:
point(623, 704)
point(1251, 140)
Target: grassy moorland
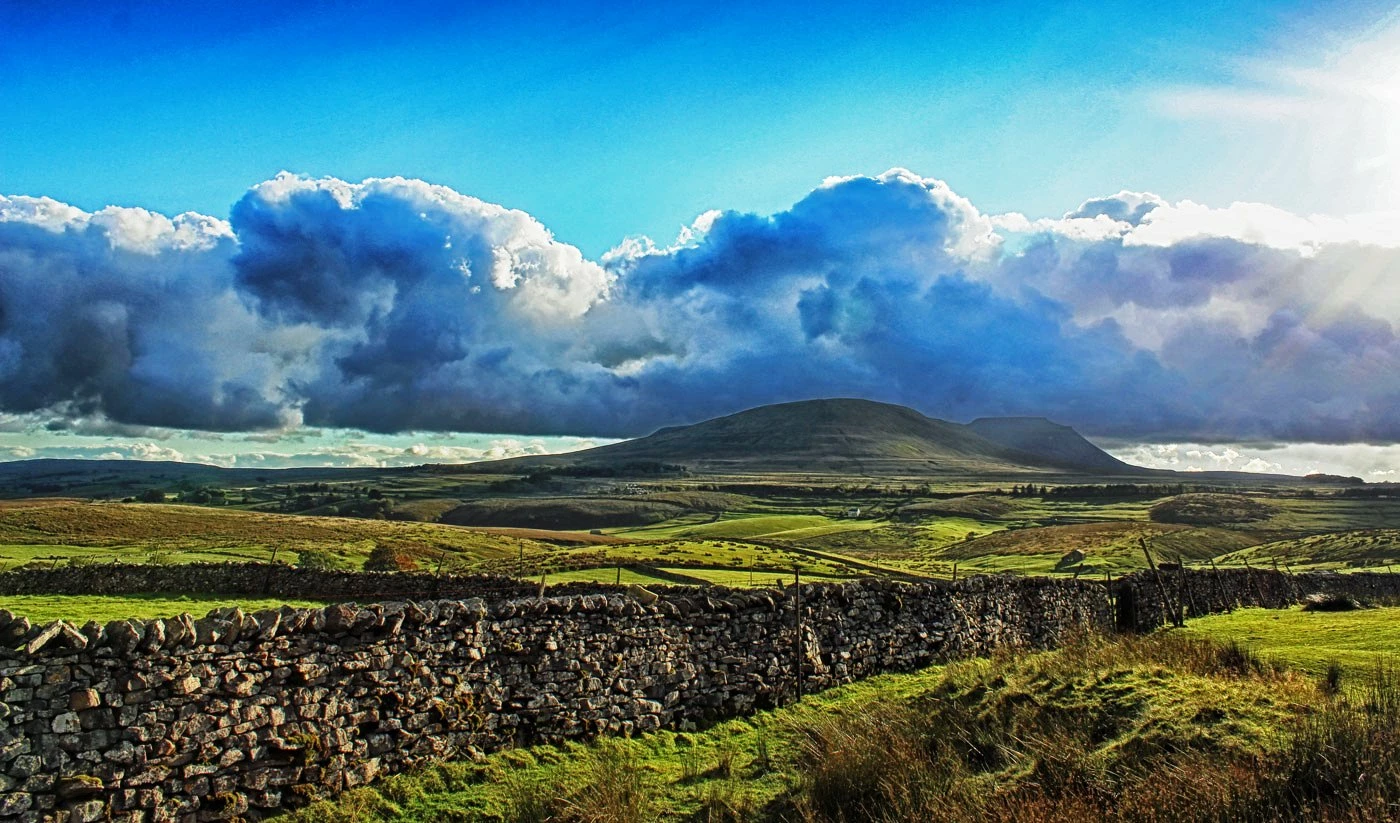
point(1169, 727)
point(1106, 547)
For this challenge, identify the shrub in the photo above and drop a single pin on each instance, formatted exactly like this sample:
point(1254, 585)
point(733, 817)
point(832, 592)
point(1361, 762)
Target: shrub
point(1330, 602)
point(317, 559)
point(1332, 679)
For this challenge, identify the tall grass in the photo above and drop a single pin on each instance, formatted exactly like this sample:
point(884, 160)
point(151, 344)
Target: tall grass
point(611, 790)
point(965, 758)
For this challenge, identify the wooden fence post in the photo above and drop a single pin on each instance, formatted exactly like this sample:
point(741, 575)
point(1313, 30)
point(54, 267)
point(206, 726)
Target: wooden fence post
point(799, 648)
point(1112, 599)
point(1258, 589)
point(1225, 602)
point(1161, 585)
point(1186, 584)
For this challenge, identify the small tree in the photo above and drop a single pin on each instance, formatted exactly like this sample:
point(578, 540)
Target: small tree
point(388, 559)
point(151, 496)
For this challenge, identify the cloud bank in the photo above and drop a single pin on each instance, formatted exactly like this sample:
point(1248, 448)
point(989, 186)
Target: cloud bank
point(393, 305)
point(347, 453)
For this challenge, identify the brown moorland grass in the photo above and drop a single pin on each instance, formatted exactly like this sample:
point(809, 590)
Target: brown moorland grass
point(38, 502)
point(116, 530)
point(1207, 509)
point(1162, 730)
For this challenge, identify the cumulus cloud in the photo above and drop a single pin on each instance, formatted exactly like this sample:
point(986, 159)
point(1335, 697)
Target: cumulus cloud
point(417, 307)
point(394, 305)
point(1124, 207)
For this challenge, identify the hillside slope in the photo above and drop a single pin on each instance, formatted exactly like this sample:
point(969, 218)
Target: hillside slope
point(1051, 443)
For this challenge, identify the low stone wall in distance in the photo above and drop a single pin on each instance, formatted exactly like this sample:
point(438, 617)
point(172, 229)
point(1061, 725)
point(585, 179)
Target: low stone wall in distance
point(1146, 601)
point(263, 580)
point(239, 715)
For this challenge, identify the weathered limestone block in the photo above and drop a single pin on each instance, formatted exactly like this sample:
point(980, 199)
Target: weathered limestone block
point(185, 685)
point(56, 637)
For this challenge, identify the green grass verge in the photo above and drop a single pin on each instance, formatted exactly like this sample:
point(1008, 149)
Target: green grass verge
point(746, 761)
point(729, 554)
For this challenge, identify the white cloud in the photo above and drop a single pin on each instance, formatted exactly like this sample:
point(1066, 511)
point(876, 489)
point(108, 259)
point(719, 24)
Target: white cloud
point(553, 280)
point(393, 305)
point(1368, 461)
point(1263, 225)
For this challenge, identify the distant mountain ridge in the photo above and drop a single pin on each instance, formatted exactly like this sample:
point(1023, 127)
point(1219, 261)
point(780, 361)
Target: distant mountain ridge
point(850, 436)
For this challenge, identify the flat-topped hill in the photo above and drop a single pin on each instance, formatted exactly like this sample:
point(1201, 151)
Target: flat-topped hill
point(850, 436)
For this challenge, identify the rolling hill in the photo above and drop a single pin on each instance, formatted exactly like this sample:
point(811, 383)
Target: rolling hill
point(849, 436)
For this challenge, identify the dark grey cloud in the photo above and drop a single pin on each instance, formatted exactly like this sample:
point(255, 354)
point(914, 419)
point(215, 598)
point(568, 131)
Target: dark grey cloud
point(393, 305)
point(123, 314)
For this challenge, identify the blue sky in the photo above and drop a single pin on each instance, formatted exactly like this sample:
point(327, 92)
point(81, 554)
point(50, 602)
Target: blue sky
point(1175, 226)
point(611, 119)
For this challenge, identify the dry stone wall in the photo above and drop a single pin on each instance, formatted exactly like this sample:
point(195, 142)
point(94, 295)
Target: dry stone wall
point(1146, 601)
point(238, 715)
point(264, 580)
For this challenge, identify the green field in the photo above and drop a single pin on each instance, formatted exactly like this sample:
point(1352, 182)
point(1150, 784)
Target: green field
point(733, 578)
point(1309, 641)
point(78, 609)
point(603, 575)
point(727, 554)
point(733, 526)
point(727, 535)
